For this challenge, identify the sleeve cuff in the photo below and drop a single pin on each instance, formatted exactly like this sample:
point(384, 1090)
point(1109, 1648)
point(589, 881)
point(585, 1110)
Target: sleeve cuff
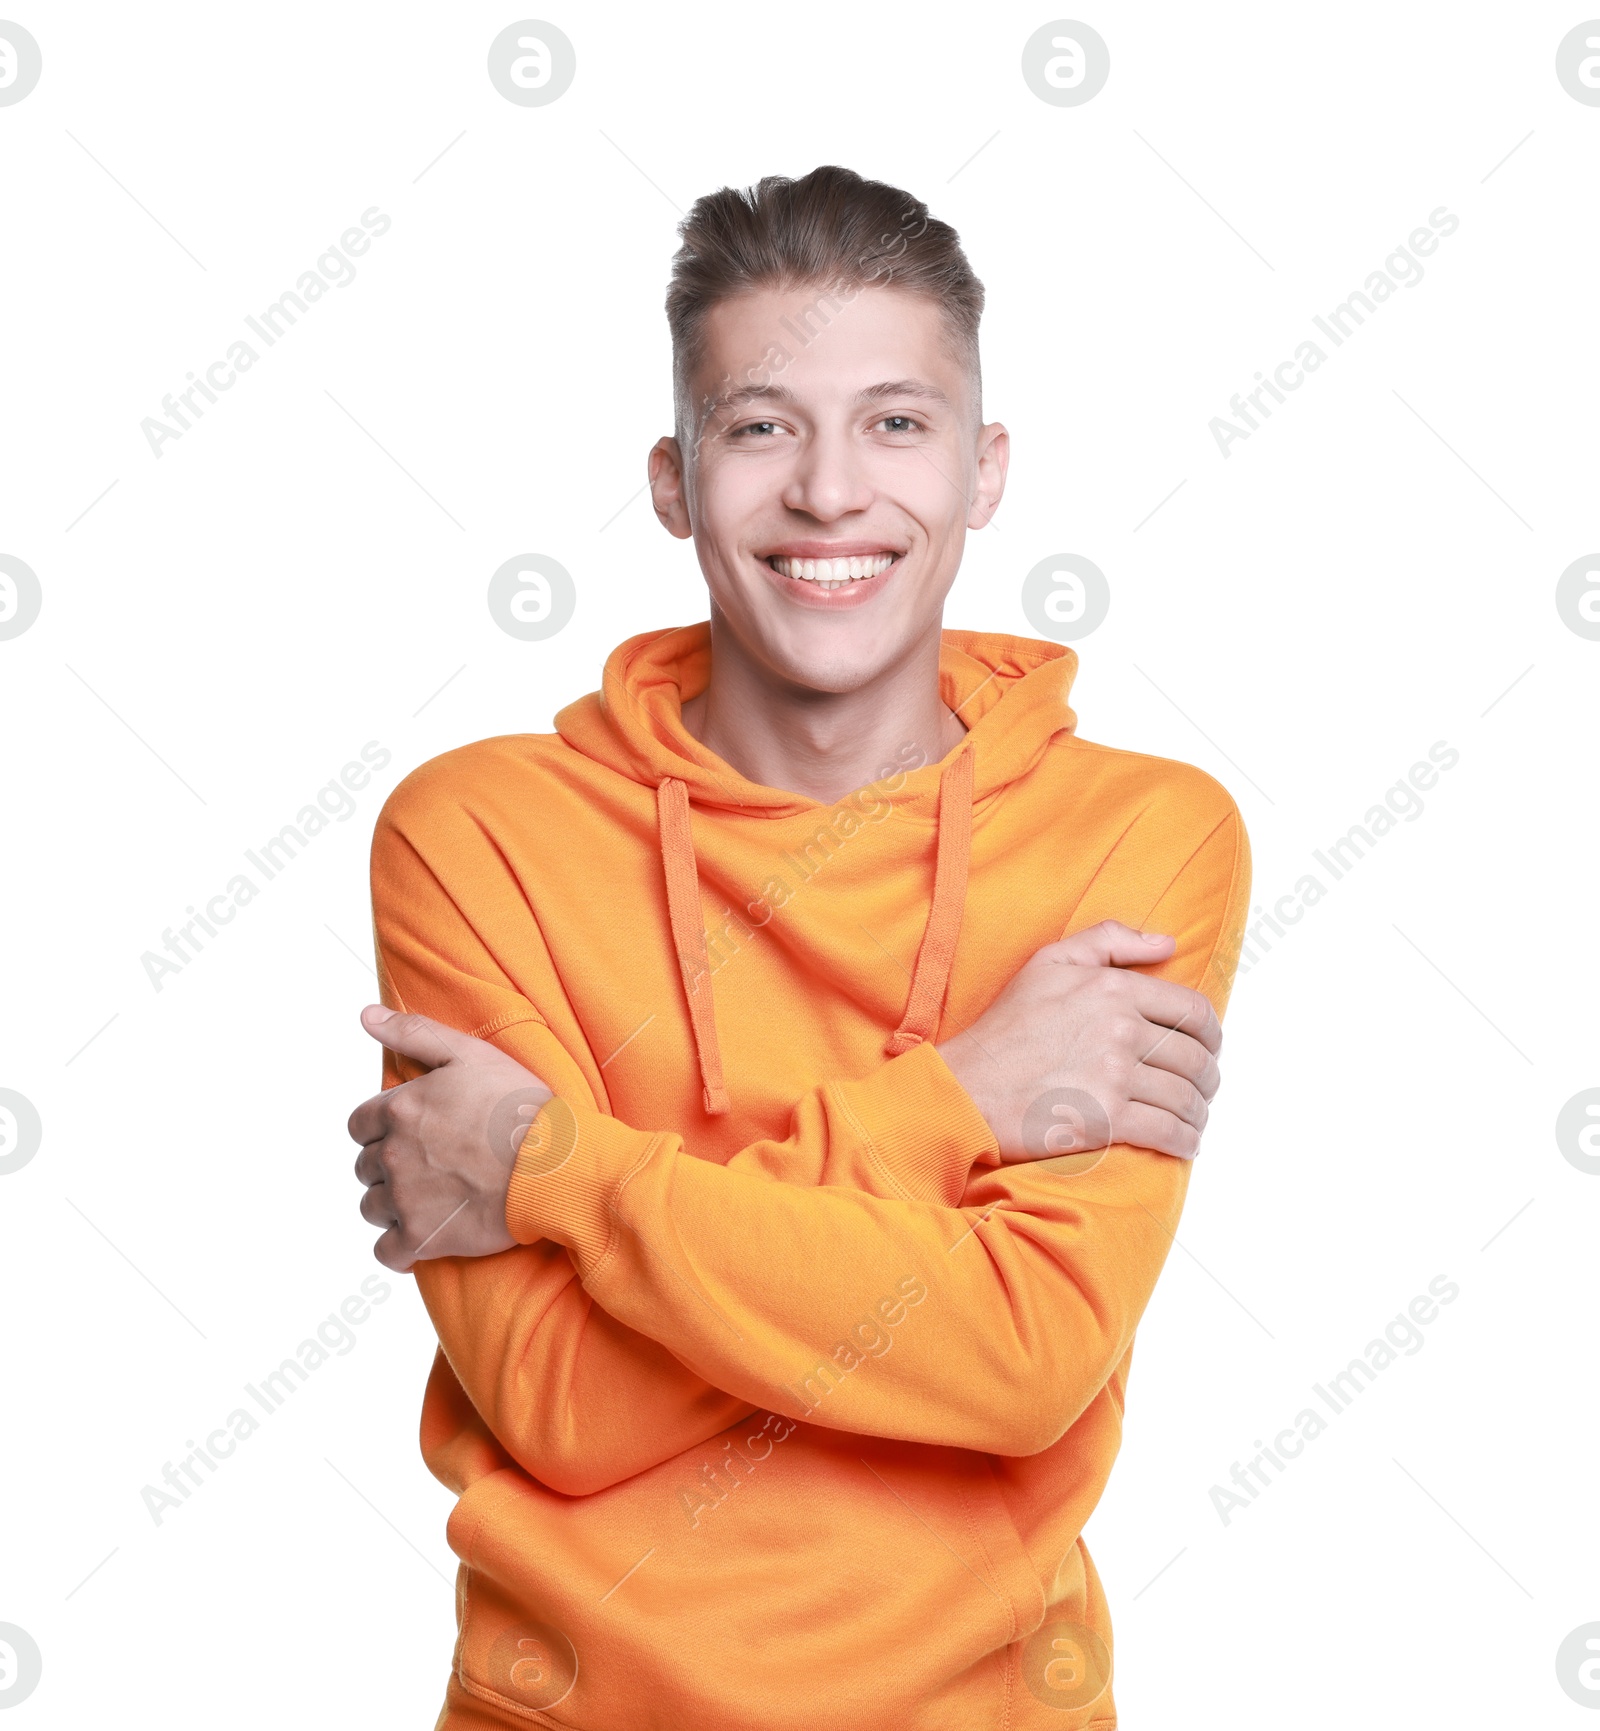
point(568, 1170)
point(923, 1128)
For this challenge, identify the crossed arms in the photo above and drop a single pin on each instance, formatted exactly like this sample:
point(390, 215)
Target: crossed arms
point(608, 1309)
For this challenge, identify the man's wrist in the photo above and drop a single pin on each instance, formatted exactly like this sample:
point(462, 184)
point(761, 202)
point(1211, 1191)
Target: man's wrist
point(963, 1058)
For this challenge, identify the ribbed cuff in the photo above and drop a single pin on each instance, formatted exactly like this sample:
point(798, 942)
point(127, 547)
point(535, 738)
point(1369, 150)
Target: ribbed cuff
point(922, 1124)
point(568, 1170)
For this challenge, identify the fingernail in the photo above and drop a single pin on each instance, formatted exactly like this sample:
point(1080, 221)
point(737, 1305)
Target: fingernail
point(1154, 937)
point(378, 1012)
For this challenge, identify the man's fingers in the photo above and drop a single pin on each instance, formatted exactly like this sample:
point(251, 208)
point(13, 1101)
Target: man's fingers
point(1170, 1093)
point(1183, 1056)
point(1151, 1127)
point(1111, 944)
point(369, 1167)
point(401, 1247)
point(1174, 1006)
point(412, 1036)
point(391, 1252)
point(377, 1206)
point(371, 1120)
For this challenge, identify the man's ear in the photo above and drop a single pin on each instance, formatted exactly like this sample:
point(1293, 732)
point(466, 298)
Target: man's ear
point(994, 454)
point(667, 493)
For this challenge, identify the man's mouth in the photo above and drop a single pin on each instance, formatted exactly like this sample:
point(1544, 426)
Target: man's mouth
point(829, 574)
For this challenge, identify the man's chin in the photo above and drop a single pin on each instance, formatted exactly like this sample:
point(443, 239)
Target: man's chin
point(815, 652)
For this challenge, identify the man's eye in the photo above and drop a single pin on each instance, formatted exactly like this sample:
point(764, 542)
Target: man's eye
point(907, 423)
point(754, 426)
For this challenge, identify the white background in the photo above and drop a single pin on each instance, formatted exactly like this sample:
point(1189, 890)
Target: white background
point(230, 622)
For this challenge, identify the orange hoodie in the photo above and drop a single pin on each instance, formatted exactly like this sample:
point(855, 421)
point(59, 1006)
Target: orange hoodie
point(789, 1407)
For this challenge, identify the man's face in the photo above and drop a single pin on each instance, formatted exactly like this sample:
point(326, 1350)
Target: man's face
point(858, 443)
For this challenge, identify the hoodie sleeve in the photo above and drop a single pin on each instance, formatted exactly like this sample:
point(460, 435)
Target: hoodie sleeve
point(987, 1325)
point(578, 1396)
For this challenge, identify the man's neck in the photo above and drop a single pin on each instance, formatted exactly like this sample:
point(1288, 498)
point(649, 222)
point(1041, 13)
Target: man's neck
point(821, 744)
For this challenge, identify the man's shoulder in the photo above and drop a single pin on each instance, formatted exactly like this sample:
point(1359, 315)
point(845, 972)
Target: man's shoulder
point(464, 783)
point(1166, 792)
point(1165, 840)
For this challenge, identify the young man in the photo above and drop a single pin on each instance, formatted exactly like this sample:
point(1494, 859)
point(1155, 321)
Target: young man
point(783, 1181)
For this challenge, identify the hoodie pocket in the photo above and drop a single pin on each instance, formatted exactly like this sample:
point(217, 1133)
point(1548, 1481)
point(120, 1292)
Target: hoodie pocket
point(516, 1662)
point(1002, 1546)
point(1058, 1664)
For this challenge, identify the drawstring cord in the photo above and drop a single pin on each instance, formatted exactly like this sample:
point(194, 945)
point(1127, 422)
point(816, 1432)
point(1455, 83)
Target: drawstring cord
point(930, 976)
point(689, 935)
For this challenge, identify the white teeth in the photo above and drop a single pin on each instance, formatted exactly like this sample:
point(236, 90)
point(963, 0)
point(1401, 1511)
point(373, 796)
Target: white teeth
point(832, 573)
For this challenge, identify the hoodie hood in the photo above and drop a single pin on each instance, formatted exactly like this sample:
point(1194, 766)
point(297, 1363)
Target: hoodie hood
point(1011, 692)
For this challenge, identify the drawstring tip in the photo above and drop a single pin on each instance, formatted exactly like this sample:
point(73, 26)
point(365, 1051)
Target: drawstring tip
point(716, 1100)
point(901, 1040)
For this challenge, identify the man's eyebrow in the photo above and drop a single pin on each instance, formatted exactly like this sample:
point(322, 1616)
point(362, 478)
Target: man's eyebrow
point(738, 397)
point(744, 395)
point(903, 388)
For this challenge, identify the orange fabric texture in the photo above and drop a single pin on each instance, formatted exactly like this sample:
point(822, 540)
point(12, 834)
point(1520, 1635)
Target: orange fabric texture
point(789, 1406)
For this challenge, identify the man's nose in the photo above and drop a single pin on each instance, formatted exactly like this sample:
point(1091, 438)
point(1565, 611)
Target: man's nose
point(829, 478)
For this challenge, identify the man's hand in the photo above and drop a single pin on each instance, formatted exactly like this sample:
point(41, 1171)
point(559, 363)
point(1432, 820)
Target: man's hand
point(437, 1153)
point(1077, 1053)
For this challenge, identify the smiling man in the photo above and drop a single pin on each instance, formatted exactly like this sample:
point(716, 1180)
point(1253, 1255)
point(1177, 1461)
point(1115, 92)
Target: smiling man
point(793, 1065)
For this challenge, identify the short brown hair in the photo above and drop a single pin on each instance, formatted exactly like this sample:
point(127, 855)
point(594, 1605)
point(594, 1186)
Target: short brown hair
point(830, 228)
